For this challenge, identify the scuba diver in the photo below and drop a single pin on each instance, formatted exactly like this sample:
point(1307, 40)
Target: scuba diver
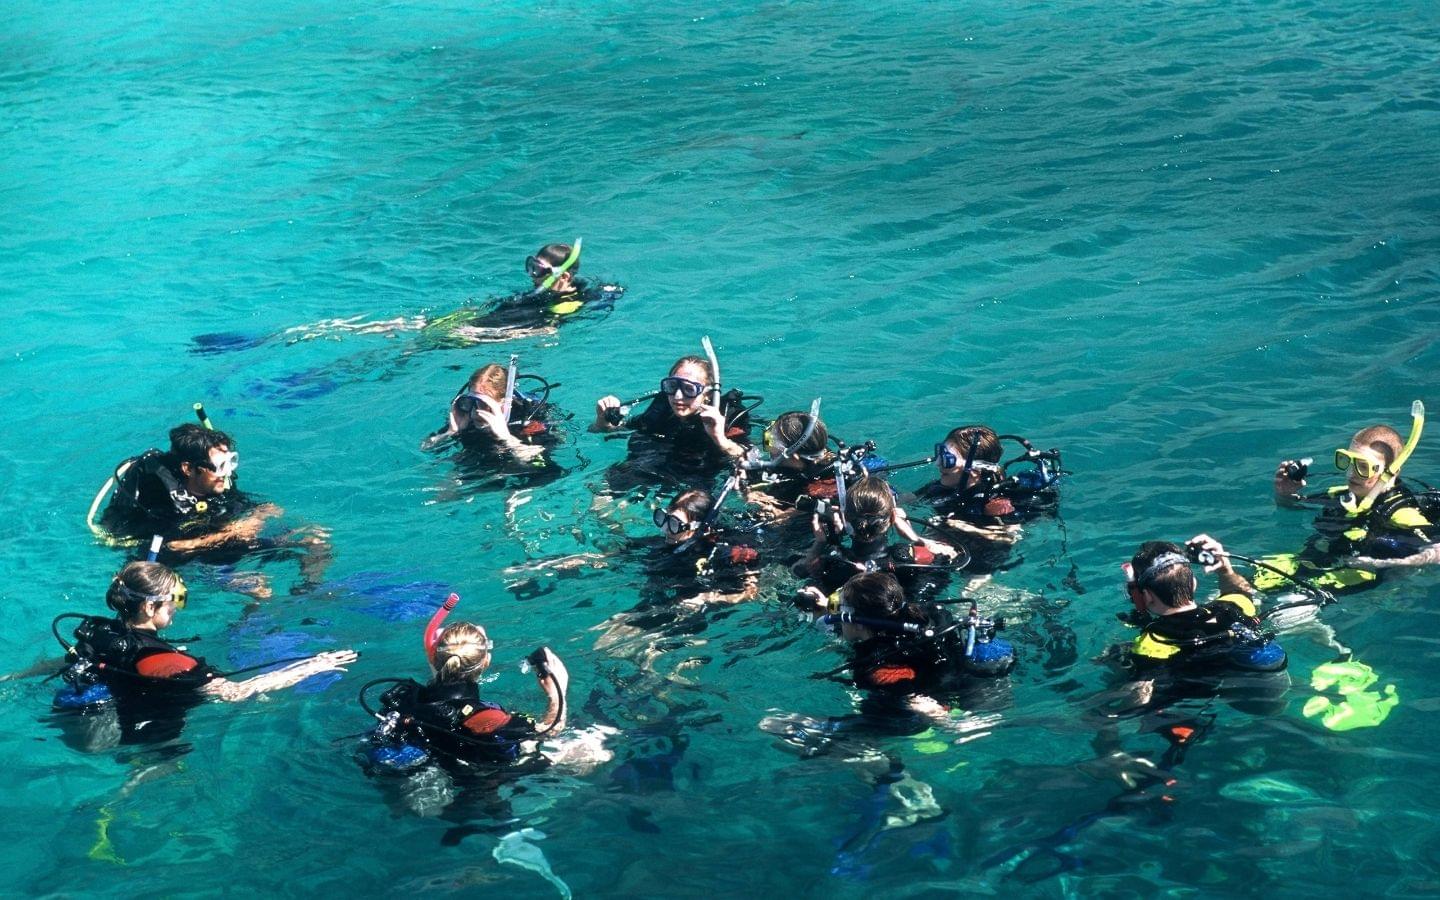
point(559, 295)
point(494, 421)
point(865, 513)
point(188, 496)
point(689, 432)
point(1373, 521)
point(905, 648)
point(1185, 649)
point(127, 682)
point(794, 467)
point(444, 727)
point(916, 664)
point(979, 502)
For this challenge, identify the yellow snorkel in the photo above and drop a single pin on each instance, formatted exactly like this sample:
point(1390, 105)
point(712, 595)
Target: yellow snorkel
point(1392, 471)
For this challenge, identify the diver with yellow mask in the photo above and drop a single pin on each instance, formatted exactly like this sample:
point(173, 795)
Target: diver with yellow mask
point(1372, 521)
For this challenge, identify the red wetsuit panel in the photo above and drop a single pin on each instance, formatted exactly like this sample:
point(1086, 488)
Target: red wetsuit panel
point(165, 665)
point(487, 721)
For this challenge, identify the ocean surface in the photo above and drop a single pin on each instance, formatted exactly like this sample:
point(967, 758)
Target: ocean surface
point(1179, 241)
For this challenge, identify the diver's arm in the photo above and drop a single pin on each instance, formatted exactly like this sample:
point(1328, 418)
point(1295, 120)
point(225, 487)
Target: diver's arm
point(242, 530)
point(1429, 556)
point(554, 680)
point(902, 524)
point(230, 691)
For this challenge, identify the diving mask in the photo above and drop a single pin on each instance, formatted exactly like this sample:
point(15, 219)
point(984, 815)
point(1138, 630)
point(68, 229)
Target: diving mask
point(1364, 466)
point(225, 466)
point(670, 523)
point(682, 386)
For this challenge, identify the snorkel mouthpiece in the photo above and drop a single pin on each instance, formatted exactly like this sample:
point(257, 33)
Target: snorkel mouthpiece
point(509, 400)
point(564, 267)
point(432, 631)
point(714, 369)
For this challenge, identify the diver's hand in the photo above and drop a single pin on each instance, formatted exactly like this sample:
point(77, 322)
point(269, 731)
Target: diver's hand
point(602, 413)
point(1204, 543)
point(942, 550)
point(811, 599)
point(1287, 489)
point(714, 422)
point(330, 661)
point(557, 681)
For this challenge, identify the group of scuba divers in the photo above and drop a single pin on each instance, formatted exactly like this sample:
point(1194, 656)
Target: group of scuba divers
point(748, 499)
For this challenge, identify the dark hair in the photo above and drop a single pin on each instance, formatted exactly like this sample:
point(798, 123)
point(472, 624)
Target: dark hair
point(869, 498)
point(696, 361)
point(137, 581)
point(878, 595)
point(984, 439)
point(192, 443)
point(789, 426)
point(556, 254)
point(1175, 584)
point(696, 504)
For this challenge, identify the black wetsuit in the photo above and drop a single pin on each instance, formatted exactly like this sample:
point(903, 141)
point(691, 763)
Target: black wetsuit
point(1399, 523)
point(921, 575)
point(533, 421)
point(526, 310)
point(452, 722)
point(150, 498)
point(151, 681)
point(675, 450)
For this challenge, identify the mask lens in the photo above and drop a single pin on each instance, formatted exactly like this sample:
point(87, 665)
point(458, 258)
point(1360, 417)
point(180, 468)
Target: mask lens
point(536, 267)
point(945, 457)
point(769, 441)
point(1344, 460)
point(660, 517)
point(181, 593)
point(682, 386)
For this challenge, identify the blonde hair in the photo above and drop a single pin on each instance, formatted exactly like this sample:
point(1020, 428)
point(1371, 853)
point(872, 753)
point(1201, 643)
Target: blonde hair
point(461, 653)
point(489, 380)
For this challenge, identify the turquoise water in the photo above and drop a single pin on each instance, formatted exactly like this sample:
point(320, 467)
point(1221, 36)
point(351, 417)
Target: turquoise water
point(1180, 241)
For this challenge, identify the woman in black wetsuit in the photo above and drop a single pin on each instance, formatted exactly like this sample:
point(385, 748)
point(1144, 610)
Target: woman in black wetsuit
point(686, 434)
point(121, 669)
point(869, 512)
point(481, 423)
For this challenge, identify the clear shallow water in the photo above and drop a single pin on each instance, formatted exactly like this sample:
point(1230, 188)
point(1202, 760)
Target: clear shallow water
point(1179, 242)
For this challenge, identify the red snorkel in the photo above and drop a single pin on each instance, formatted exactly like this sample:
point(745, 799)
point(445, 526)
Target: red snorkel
point(432, 631)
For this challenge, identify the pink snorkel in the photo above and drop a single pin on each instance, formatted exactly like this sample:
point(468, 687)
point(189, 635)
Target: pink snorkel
point(432, 631)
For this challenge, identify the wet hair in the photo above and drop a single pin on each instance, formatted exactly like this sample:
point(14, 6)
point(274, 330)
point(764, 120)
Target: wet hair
point(137, 581)
point(696, 504)
point(556, 254)
point(695, 361)
point(985, 441)
point(878, 595)
point(462, 652)
point(489, 380)
point(869, 498)
point(192, 443)
point(1383, 439)
point(1174, 584)
point(789, 426)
